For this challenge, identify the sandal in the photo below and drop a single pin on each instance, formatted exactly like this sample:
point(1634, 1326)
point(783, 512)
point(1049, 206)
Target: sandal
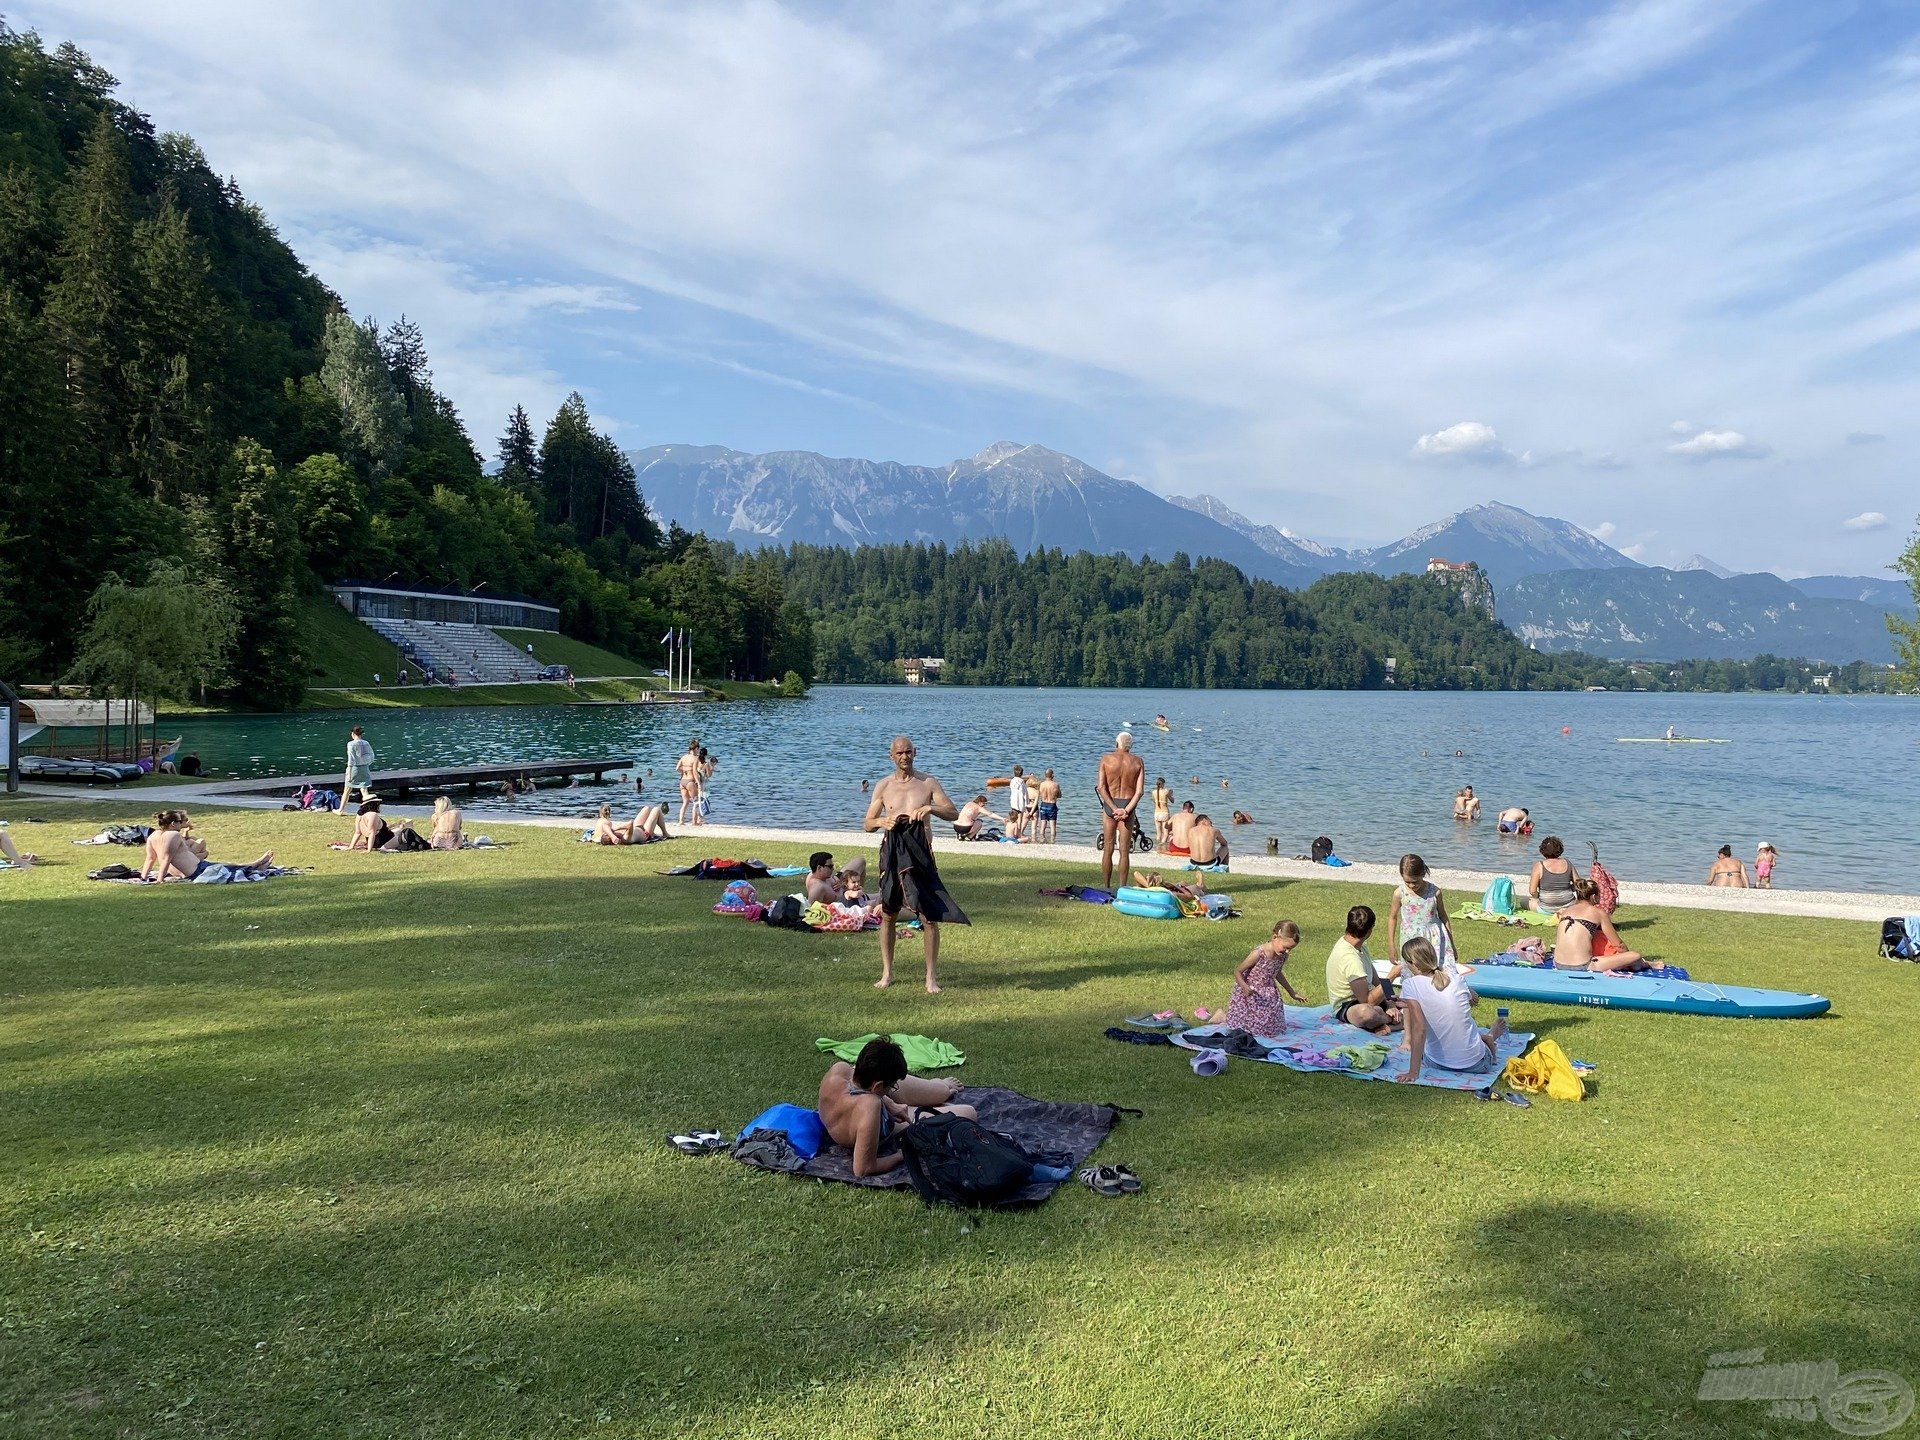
point(1129, 1182)
point(1102, 1181)
point(698, 1142)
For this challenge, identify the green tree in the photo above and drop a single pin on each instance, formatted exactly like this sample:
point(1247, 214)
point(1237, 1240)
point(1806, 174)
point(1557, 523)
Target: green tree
point(173, 360)
point(163, 640)
point(91, 306)
point(264, 562)
point(373, 417)
point(330, 509)
point(519, 456)
point(1906, 633)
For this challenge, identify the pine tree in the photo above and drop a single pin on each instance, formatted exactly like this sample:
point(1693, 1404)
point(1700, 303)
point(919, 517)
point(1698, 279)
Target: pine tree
point(91, 304)
point(373, 417)
point(519, 457)
point(173, 356)
point(26, 234)
point(404, 348)
point(264, 562)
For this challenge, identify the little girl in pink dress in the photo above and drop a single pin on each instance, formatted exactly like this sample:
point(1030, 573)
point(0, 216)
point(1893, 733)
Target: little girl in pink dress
point(1256, 1006)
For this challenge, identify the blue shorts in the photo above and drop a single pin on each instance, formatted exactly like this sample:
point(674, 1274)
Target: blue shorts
point(1048, 810)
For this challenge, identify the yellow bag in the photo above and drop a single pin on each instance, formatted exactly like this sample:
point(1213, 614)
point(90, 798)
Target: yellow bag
point(1546, 1068)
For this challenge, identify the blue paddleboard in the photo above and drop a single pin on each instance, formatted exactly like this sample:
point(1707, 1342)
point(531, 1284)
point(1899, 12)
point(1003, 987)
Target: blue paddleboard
point(1630, 992)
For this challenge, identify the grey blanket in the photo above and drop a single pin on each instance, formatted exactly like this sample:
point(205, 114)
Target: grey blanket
point(1036, 1125)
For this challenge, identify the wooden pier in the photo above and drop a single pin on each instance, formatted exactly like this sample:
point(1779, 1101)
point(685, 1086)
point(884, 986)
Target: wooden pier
point(396, 784)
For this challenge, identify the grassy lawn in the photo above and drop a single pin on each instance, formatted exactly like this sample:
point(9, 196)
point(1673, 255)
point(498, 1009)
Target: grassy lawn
point(441, 696)
point(378, 1151)
point(577, 655)
point(340, 650)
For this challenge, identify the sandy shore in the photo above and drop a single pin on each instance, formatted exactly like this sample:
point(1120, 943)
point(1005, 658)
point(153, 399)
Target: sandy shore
point(1079, 864)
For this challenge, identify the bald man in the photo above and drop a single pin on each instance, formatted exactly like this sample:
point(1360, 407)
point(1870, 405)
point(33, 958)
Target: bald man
point(1122, 780)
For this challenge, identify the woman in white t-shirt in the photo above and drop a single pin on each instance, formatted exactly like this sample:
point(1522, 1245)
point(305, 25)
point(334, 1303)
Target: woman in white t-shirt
point(1439, 1015)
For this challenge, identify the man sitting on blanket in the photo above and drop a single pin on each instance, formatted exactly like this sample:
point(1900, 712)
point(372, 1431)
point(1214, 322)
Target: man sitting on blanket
point(862, 1104)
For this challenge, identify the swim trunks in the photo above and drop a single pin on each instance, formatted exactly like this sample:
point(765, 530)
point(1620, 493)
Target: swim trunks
point(1048, 810)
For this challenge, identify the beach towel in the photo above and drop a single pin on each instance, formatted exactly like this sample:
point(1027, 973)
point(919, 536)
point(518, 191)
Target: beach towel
point(909, 880)
point(723, 869)
point(1064, 1128)
point(1090, 894)
point(214, 872)
point(1539, 918)
point(922, 1052)
point(1313, 1035)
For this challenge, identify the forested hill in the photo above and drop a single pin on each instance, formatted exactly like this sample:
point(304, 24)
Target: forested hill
point(183, 403)
point(1048, 618)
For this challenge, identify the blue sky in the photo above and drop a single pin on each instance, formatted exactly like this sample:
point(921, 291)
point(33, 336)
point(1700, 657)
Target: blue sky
point(1653, 267)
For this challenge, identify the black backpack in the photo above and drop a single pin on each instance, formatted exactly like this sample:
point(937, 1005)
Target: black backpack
point(1322, 848)
point(788, 913)
point(952, 1160)
point(1894, 944)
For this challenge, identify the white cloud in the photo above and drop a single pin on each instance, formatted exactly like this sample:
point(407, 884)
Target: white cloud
point(1635, 552)
point(1268, 240)
point(1468, 440)
point(1866, 520)
point(1719, 445)
point(1605, 530)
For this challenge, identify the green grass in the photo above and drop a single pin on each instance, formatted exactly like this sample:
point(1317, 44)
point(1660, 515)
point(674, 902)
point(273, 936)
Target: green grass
point(440, 696)
point(550, 648)
point(340, 650)
point(378, 1151)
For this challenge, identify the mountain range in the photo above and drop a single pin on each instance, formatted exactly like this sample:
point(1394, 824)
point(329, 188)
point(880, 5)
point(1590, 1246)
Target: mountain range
point(1558, 586)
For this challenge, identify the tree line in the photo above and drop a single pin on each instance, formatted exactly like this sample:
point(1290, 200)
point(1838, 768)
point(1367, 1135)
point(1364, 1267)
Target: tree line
point(996, 617)
point(184, 399)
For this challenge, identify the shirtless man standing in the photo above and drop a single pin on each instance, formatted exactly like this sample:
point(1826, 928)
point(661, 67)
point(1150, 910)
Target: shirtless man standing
point(1046, 815)
point(689, 767)
point(1122, 779)
point(903, 804)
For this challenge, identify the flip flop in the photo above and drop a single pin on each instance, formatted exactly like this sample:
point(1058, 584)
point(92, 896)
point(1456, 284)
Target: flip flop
point(697, 1142)
point(1102, 1181)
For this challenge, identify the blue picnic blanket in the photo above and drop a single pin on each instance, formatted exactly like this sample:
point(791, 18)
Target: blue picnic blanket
point(1312, 1031)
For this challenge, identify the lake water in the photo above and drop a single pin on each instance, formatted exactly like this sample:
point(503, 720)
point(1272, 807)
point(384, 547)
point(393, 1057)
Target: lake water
point(1823, 778)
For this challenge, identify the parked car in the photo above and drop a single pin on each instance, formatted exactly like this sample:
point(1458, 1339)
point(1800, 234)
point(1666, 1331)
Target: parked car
point(555, 672)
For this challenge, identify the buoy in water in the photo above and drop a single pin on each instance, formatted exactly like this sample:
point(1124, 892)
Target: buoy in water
point(1566, 729)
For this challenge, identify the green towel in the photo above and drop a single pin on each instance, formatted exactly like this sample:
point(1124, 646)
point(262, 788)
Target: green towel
point(922, 1053)
point(1368, 1055)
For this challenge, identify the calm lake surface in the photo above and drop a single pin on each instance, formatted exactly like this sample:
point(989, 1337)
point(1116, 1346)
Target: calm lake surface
point(1821, 777)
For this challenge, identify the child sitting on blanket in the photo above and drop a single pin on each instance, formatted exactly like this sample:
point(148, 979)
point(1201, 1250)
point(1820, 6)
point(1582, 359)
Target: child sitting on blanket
point(1439, 1014)
point(1256, 1006)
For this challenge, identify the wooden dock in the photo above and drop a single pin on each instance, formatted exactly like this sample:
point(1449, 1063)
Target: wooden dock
point(395, 784)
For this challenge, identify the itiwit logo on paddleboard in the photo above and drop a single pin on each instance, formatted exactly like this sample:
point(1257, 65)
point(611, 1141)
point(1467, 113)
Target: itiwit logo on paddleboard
point(1860, 1402)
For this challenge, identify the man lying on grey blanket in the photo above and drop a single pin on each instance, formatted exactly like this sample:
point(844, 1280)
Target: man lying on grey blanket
point(861, 1104)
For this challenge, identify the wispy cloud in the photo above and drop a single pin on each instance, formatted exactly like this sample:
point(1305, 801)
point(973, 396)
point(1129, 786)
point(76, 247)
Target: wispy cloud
point(1866, 520)
point(1265, 242)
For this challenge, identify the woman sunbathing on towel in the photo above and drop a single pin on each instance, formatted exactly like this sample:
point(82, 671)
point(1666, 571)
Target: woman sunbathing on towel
point(648, 825)
point(171, 856)
point(1587, 939)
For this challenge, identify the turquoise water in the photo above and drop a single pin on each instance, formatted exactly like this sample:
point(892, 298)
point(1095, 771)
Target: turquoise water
point(1820, 777)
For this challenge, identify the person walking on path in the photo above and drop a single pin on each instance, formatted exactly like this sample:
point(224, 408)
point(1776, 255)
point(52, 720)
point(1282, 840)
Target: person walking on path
point(1122, 779)
point(359, 774)
point(904, 804)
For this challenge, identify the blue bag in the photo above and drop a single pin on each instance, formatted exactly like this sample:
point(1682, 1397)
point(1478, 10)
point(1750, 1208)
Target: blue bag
point(802, 1127)
point(1499, 897)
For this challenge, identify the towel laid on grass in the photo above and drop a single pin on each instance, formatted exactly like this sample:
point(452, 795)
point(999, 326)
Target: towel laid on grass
point(922, 1052)
point(1519, 917)
point(1036, 1125)
point(1313, 1034)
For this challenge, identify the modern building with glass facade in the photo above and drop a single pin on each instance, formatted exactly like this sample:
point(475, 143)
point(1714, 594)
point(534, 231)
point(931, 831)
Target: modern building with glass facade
point(383, 602)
